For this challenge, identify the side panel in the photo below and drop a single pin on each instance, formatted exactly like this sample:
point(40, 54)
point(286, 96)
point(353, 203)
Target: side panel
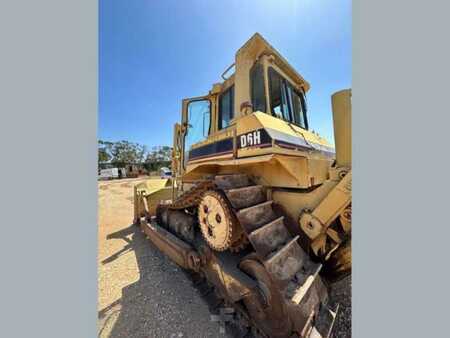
point(299, 159)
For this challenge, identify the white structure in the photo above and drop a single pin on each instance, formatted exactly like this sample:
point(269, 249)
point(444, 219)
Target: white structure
point(111, 173)
point(165, 172)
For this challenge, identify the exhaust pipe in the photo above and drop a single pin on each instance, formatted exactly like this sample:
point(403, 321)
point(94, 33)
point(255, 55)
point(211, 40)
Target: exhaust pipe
point(342, 123)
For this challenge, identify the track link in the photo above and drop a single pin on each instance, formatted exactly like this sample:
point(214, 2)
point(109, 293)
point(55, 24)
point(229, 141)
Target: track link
point(290, 268)
point(236, 321)
point(193, 196)
point(295, 275)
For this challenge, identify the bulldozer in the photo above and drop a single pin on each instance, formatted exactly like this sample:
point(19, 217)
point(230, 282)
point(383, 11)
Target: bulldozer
point(258, 206)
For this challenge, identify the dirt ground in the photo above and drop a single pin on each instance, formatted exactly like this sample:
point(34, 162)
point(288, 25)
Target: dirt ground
point(141, 293)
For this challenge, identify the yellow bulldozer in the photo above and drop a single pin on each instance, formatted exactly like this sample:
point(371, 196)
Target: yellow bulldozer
point(258, 205)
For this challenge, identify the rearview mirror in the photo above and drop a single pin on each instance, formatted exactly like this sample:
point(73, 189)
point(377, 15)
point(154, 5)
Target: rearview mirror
point(245, 106)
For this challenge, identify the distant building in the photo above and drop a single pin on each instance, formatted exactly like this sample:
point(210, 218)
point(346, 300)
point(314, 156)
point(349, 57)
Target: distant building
point(126, 169)
point(135, 170)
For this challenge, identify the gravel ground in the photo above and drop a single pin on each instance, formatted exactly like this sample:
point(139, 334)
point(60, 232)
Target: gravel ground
point(341, 292)
point(141, 293)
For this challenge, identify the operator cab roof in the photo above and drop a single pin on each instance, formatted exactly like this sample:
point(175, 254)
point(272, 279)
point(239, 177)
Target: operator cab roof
point(257, 46)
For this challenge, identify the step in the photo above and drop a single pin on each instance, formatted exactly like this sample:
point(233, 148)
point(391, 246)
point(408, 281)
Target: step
point(325, 321)
point(247, 196)
point(253, 217)
point(232, 181)
point(269, 237)
point(284, 264)
point(306, 282)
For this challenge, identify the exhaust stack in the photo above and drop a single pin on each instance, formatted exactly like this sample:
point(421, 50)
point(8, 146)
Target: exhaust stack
point(342, 123)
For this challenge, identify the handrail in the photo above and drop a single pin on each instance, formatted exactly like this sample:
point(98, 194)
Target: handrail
point(226, 71)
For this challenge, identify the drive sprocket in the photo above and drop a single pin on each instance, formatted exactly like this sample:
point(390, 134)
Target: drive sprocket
point(217, 222)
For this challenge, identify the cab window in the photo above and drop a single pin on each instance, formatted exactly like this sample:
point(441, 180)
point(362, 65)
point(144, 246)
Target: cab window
point(226, 108)
point(286, 102)
point(298, 107)
point(257, 88)
point(199, 121)
point(278, 96)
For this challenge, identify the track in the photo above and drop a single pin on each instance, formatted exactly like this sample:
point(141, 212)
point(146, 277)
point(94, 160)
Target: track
point(234, 321)
point(291, 285)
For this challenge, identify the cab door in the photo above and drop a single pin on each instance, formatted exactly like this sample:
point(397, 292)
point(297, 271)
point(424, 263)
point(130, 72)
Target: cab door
point(196, 124)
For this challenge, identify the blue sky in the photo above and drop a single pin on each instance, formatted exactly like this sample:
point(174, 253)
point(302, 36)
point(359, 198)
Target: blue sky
point(152, 54)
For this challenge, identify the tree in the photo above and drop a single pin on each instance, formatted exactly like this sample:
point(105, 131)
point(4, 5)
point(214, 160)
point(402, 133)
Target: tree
point(159, 154)
point(124, 152)
point(103, 155)
point(128, 152)
point(142, 152)
point(104, 151)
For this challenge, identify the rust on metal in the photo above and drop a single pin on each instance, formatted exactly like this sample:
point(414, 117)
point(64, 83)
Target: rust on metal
point(246, 196)
point(269, 237)
point(253, 217)
point(285, 263)
point(179, 251)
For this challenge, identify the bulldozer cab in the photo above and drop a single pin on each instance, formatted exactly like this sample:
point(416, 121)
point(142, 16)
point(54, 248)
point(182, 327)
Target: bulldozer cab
point(214, 126)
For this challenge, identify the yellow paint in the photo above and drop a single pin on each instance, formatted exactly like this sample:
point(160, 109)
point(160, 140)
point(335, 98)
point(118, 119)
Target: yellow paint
point(308, 174)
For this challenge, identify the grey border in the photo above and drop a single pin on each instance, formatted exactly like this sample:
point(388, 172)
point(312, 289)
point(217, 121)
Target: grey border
point(401, 167)
point(48, 207)
point(48, 102)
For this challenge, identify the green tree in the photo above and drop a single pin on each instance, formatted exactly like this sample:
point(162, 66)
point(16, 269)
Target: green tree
point(128, 152)
point(103, 155)
point(104, 151)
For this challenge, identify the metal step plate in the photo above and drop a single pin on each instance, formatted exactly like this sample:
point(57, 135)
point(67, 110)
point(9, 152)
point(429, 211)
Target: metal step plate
point(269, 237)
point(247, 196)
point(285, 263)
point(254, 217)
point(233, 181)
